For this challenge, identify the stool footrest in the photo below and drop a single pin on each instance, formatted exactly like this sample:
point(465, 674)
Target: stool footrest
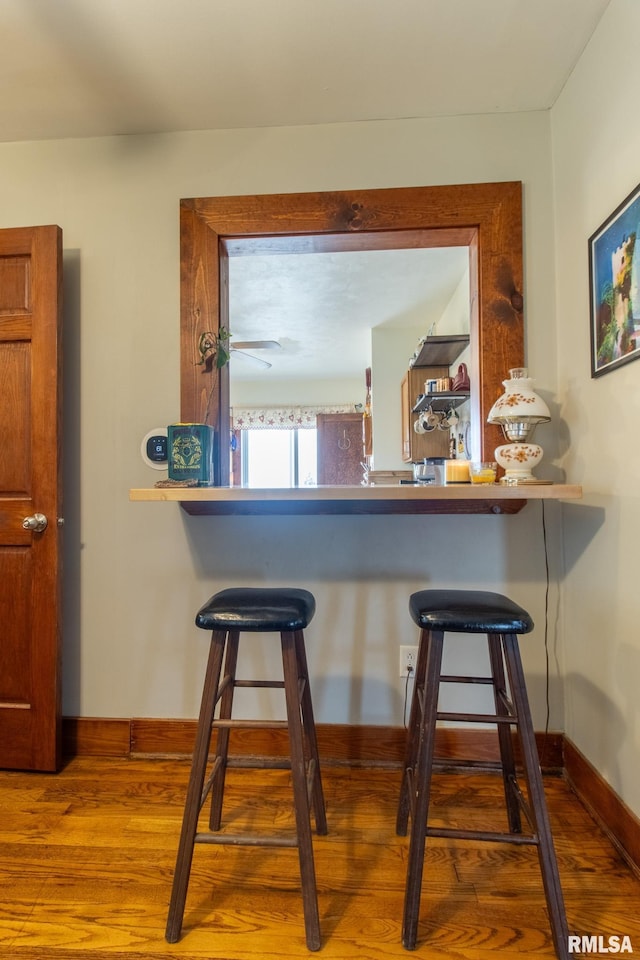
point(260, 684)
point(259, 763)
point(244, 840)
point(453, 834)
point(478, 718)
point(462, 763)
point(451, 678)
point(249, 724)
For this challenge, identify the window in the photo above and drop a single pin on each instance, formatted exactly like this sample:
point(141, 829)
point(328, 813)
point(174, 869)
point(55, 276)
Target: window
point(279, 458)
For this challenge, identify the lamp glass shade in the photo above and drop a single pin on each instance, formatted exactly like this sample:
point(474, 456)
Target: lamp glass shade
point(519, 403)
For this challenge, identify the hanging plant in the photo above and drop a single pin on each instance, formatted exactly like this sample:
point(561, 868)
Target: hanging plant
point(213, 349)
point(214, 352)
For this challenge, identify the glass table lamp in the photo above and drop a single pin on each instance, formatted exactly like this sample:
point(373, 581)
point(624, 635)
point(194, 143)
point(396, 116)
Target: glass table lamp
point(518, 411)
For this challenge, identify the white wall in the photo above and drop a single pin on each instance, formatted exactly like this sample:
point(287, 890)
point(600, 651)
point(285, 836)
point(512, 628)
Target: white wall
point(391, 350)
point(311, 391)
point(596, 143)
point(136, 573)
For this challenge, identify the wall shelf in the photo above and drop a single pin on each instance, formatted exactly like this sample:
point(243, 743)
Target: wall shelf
point(440, 401)
point(398, 499)
point(441, 351)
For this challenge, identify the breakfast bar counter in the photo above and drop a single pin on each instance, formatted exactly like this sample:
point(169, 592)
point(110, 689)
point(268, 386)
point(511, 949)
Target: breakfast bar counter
point(373, 499)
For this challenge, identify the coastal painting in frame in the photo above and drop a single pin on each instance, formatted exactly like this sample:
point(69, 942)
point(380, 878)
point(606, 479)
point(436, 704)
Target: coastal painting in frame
point(614, 276)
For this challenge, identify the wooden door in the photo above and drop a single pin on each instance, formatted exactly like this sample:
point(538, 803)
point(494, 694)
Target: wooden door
point(340, 448)
point(30, 467)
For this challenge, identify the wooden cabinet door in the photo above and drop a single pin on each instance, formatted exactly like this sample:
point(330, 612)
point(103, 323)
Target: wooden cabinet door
point(30, 489)
point(340, 448)
point(417, 446)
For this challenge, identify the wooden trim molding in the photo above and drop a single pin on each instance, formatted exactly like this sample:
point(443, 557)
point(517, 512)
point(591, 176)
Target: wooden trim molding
point(95, 737)
point(611, 814)
point(486, 217)
point(338, 743)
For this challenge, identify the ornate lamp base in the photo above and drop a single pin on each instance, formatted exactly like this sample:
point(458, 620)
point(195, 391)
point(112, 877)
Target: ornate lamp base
point(517, 460)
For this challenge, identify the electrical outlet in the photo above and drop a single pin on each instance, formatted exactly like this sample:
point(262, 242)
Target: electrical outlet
point(408, 660)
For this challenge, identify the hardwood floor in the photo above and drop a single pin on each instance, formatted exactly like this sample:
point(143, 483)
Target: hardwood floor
point(87, 856)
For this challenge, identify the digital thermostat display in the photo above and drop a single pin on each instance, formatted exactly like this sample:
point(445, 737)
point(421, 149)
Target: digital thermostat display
point(154, 448)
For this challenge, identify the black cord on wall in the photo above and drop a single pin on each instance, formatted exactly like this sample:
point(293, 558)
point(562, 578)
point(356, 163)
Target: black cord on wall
point(546, 625)
point(406, 695)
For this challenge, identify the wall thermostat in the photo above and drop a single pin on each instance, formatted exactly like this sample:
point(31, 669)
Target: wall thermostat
point(157, 448)
point(154, 448)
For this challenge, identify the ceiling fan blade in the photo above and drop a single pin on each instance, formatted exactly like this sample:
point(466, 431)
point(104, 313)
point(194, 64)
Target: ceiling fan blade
point(249, 356)
point(257, 345)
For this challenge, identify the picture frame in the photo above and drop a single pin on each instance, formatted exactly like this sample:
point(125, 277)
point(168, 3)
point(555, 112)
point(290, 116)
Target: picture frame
point(614, 282)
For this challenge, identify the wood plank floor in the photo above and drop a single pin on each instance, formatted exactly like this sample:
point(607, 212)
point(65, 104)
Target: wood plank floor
point(86, 861)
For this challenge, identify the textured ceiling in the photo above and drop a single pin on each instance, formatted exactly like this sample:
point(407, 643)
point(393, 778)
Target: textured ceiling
point(322, 307)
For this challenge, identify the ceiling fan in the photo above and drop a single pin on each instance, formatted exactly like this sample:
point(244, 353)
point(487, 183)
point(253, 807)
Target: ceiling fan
point(242, 348)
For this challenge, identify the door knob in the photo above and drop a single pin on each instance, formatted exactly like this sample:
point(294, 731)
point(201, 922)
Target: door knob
point(37, 523)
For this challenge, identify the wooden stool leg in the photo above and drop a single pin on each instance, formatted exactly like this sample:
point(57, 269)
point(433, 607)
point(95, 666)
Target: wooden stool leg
point(422, 789)
point(504, 733)
point(194, 791)
point(413, 736)
point(533, 776)
point(311, 739)
point(223, 733)
point(300, 793)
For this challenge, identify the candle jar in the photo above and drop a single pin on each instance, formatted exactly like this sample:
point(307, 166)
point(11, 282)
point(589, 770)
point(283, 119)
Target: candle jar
point(457, 471)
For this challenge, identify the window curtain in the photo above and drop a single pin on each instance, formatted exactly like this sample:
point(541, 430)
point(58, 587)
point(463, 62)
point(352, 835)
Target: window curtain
point(284, 418)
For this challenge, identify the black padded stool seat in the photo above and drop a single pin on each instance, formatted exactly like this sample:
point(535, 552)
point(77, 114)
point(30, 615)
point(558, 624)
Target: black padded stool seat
point(468, 611)
point(258, 610)
point(437, 612)
point(284, 611)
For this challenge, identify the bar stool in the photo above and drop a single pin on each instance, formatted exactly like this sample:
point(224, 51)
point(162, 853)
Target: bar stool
point(227, 614)
point(474, 612)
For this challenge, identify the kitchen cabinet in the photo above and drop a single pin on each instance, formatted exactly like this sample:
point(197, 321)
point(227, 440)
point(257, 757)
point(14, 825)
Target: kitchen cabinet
point(434, 361)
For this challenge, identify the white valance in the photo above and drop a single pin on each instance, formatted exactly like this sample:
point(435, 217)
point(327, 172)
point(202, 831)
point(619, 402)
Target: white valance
point(284, 418)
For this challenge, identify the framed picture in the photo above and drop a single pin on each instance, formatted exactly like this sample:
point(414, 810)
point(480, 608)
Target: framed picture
point(614, 278)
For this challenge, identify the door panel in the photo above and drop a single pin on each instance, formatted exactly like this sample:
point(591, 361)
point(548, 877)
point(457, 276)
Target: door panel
point(340, 448)
point(15, 614)
point(30, 471)
point(15, 376)
point(15, 282)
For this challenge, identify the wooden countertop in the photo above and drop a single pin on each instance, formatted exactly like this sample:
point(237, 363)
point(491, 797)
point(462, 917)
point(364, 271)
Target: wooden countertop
point(397, 498)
